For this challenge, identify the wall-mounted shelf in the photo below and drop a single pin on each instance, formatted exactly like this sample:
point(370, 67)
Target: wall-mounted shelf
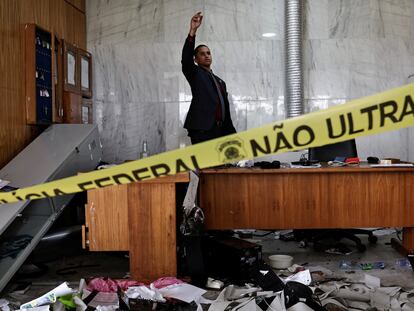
point(38, 75)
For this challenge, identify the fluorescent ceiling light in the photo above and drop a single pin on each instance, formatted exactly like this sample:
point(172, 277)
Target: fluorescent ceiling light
point(269, 34)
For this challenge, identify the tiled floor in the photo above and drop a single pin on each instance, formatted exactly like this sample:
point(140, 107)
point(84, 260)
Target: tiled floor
point(115, 265)
point(382, 251)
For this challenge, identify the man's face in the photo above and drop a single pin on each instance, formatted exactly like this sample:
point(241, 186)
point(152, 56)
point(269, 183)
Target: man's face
point(203, 57)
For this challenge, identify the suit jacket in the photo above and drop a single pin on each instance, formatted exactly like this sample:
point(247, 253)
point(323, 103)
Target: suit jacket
point(201, 115)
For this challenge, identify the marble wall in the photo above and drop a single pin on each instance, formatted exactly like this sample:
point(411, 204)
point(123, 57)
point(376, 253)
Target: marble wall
point(352, 48)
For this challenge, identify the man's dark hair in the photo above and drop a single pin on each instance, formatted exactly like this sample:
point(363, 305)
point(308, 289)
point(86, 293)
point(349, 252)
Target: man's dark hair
point(198, 47)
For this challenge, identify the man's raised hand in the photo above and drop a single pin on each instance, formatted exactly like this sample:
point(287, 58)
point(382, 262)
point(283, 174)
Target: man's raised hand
point(195, 23)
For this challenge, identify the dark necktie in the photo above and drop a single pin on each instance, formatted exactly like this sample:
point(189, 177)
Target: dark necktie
point(220, 96)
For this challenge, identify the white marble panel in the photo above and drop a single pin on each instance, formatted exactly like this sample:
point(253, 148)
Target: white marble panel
point(370, 18)
point(173, 126)
point(356, 48)
point(169, 87)
point(253, 85)
point(327, 84)
point(177, 18)
point(239, 114)
point(410, 144)
point(118, 21)
point(260, 55)
point(385, 145)
point(313, 105)
point(327, 66)
point(104, 64)
point(260, 113)
point(122, 135)
point(377, 65)
point(242, 20)
point(410, 130)
point(355, 19)
point(316, 19)
point(397, 17)
point(126, 72)
point(408, 65)
point(354, 67)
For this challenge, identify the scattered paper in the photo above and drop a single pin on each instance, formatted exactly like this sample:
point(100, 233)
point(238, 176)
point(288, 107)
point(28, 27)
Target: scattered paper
point(144, 292)
point(3, 183)
point(50, 297)
point(324, 270)
point(382, 232)
point(303, 277)
point(41, 308)
point(393, 165)
point(102, 299)
point(306, 166)
point(372, 281)
point(380, 300)
point(4, 305)
point(184, 292)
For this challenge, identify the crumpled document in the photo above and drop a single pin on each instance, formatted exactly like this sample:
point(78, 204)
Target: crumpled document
point(360, 296)
point(248, 299)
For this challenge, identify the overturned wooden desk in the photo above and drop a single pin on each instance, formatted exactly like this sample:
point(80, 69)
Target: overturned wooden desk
point(139, 218)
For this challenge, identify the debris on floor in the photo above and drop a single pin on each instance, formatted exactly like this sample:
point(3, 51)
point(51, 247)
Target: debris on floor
point(299, 291)
point(370, 281)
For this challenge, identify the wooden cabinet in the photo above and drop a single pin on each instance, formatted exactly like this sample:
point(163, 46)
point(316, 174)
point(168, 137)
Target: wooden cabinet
point(141, 218)
point(106, 219)
point(39, 87)
point(72, 107)
point(57, 77)
point(77, 84)
point(86, 111)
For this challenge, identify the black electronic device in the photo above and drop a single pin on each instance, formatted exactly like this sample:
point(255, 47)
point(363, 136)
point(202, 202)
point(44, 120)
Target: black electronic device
point(329, 152)
point(305, 162)
point(230, 258)
point(265, 164)
point(373, 160)
point(264, 276)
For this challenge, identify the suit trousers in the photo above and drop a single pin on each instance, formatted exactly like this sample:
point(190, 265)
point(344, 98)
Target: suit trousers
point(199, 136)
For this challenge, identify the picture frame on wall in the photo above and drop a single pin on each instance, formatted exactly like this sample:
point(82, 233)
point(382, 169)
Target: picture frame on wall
point(71, 68)
point(85, 73)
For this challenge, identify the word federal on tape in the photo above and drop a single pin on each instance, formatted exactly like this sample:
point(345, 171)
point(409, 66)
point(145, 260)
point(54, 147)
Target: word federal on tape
point(389, 110)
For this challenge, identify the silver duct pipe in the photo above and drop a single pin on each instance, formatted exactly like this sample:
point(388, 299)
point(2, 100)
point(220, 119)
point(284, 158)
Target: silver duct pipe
point(293, 58)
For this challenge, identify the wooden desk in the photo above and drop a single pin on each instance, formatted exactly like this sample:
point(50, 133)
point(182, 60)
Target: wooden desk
point(250, 198)
point(139, 218)
point(346, 197)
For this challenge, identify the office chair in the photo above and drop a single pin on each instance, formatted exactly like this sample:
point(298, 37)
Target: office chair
point(327, 153)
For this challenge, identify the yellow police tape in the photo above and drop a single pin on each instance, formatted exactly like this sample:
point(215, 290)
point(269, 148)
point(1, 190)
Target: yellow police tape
point(390, 110)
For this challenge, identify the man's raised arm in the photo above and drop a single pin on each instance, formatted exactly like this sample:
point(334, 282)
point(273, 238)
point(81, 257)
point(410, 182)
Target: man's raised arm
point(187, 60)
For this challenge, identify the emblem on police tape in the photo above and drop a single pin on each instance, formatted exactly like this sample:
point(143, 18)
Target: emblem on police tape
point(231, 150)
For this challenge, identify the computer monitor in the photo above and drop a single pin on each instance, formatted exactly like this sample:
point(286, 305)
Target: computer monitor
point(329, 152)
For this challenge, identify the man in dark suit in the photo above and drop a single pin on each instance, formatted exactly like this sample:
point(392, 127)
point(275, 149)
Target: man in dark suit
point(209, 113)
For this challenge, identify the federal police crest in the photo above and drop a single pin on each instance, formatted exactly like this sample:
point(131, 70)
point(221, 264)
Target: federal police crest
point(231, 150)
